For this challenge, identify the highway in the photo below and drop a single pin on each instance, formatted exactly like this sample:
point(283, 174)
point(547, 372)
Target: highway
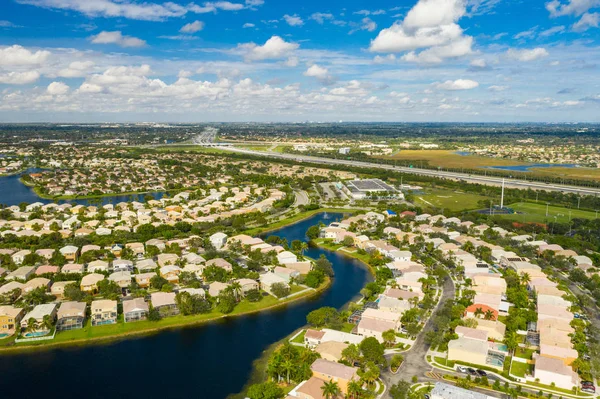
point(487, 180)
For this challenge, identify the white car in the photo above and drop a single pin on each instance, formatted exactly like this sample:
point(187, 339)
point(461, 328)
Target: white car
point(462, 369)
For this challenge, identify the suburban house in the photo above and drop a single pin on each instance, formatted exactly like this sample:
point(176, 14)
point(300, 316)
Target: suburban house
point(58, 288)
point(472, 346)
point(312, 338)
point(97, 266)
point(331, 350)
point(326, 370)
point(165, 303)
point(144, 265)
point(267, 281)
point(72, 268)
point(10, 318)
point(442, 390)
point(218, 240)
point(374, 328)
point(103, 312)
point(220, 262)
point(22, 273)
point(285, 273)
point(135, 310)
point(166, 259)
point(70, 316)
point(170, 273)
point(143, 279)
point(69, 252)
point(89, 283)
point(122, 265)
point(38, 313)
point(248, 285)
point(35, 283)
point(215, 288)
point(553, 371)
point(122, 279)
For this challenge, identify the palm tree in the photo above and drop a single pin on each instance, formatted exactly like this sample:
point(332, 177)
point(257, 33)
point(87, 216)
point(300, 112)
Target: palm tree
point(525, 279)
point(31, 325)
point(287, 366)
point(330, 389)
point(47, 323)
point(478, 312)
point(236, 288)
point(354, 389)
point(489, 315)
point(303, 247)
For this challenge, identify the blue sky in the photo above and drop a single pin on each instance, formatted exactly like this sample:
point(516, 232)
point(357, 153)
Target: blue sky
point(255, 60)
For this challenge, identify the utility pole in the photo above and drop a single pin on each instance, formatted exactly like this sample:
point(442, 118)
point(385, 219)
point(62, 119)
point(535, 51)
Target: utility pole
point(502, 197)
point(546, 209)
point(578, 201)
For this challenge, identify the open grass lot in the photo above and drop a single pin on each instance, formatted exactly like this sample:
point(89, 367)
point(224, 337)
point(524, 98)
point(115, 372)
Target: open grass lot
point(530, 212)
point(449, 200)
point(449, 159)
point(569, 173)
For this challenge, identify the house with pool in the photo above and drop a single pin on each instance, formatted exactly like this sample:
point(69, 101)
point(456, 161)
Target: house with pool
point(103, 312)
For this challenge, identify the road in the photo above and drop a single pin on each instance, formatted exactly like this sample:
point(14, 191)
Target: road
point(301, 198)
point(486, 180)
point(415, 362)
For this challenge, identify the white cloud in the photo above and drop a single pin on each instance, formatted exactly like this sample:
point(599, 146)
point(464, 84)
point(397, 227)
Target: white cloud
point(317, 71)
point(145, 11)
point(76, 69)
point(558, 8)
point(588, 20)
point(57, 88)
point(526, 55)
point(320, 17)
point(430, 25)
point(365, 24)
point(479, 63)
point(192, 27)
point(18, 55)
point(90, 88)
point(459, 84)
point(527, 34)
point(498, 88)
point(116, 37)
point(292, 62)
point(384, 60)
point(293, 20)
point(7, 24)
point(248, 25)
point(19, 78)
point(552, 31)
point(274, 48)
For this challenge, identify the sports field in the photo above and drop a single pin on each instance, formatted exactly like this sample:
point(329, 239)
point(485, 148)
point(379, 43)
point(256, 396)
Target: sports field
point(530, 212)
point(449, 200)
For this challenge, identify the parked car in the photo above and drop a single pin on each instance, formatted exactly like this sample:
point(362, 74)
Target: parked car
point(588, 389)
point(471, 371)
point(481, 373)
point(587, 383)
point(462, 369)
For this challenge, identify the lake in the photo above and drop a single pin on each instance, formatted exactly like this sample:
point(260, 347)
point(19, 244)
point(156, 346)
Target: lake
point(209, 362)
point(526, 168)
point(13, 192)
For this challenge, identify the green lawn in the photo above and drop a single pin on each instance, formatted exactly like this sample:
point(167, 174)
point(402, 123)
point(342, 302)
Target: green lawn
point(449, 200)
point(531, 212)
point(299, 338)
point(520, 369)
point(524, 353)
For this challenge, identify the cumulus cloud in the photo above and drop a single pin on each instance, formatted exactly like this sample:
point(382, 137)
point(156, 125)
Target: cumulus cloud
point(527, 55)
point(192, 27)
point(116, 37)
point(293, 20)
point(76, 69)
point(430, 25)
point(558, 8)
point(57, 88)
point(588, 20)
point(274, 48)
point(145, 11)
point(17, 55)
point(459, 84)
point(19, 78)
point(317, 71)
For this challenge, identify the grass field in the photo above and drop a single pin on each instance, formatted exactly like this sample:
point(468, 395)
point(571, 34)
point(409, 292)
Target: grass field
point(569, 173)
point(530, 212)
point(449, 200)
point(448, 159)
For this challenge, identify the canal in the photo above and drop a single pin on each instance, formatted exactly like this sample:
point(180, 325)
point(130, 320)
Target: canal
point(13, 192)
point(206, 362)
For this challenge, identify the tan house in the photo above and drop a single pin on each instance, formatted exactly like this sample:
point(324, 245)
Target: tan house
point(103, 312)
point(58, 288)
point(143, 279)
point(326, 370)
point(90, 282)
point(71, 316)
point(36, 283)
point(170, 273)
point(165, 303)
point(331, 350)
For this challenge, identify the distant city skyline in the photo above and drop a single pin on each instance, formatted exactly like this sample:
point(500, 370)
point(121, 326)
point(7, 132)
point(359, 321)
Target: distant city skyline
point(274, 61)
